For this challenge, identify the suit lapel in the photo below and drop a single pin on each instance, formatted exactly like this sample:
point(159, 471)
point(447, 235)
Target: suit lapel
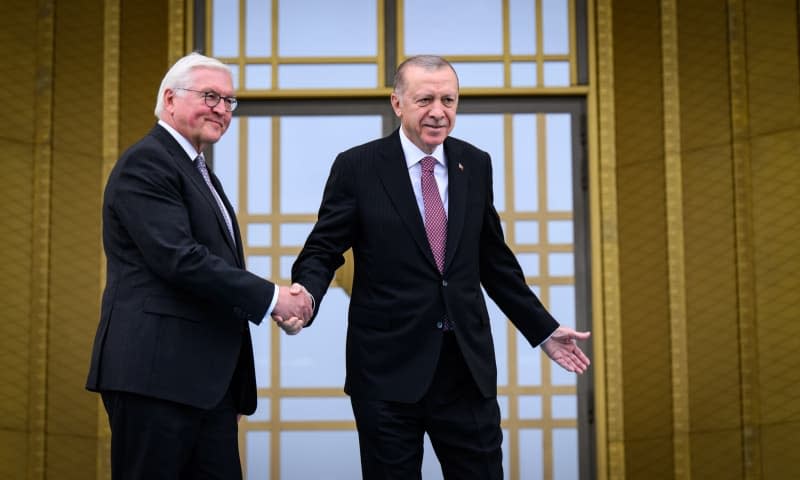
point(190, 171)
point(457, 176)
point(393, 174)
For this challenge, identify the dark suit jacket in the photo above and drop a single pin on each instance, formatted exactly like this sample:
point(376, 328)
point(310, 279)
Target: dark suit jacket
point(175, 310)
point(398, 294)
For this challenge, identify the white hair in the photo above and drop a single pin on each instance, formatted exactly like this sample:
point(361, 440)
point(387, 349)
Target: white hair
point(180, 75)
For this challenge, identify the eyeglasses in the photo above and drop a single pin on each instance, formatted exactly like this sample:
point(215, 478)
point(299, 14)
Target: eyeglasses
point(212, 99)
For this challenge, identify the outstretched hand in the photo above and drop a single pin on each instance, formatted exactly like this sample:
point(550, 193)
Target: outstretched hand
point(562, 349)
point(294, 309)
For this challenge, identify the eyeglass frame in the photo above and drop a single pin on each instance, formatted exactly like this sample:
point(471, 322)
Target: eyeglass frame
point(231, 103)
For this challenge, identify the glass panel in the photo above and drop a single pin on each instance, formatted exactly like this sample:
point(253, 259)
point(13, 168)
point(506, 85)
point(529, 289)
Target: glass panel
point(564, 406)
point(225, 29)
point(295, 234)
point(565, 453)
point(526, 174)
point(259, 234)
point(555, 25)
point(479, 74)
point(529, 263)
point(305, 165)
point(556, 74)
point(226, 162)
point(530, 407)
point(522, 19)
point(523, 74)
point(319, 28)
point(561, 264)
point(560, 232)
point(258, 24)
point(529, 363)
point(335, 455)
point(531, 460)
point(527, 232)
point(316, 408)
point(286, 265)
point(485, 131)
point(318, 360)
point(562, 304)
point(559, 162)
point(258, 454)
point(502, 402)
point(259, 165)
point(328, 76)
point(235, 74)
point(258, 76)
point(263, 410)
point(499, 325)
point(474, 27)
point(261, 265)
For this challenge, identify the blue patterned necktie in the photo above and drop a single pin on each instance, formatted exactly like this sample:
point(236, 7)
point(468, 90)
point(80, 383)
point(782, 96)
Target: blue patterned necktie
point(200, 162)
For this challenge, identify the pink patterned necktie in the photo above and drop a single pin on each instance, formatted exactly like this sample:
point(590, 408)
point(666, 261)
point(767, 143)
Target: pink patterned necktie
point(435, 217)
point(200, 162)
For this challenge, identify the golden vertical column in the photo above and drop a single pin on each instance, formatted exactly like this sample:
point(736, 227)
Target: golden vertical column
point(40, 278)
point(675, 247)
point(743, 208)
point(607, 321)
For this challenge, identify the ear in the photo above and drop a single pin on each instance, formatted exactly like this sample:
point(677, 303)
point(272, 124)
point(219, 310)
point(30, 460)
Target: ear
point(395, 104)
point(169, 99)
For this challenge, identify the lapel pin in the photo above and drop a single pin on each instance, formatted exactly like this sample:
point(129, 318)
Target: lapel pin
point(460, 167)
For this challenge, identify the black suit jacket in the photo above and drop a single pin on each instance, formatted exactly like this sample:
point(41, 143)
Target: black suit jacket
point(398, 294)
point(175, 310)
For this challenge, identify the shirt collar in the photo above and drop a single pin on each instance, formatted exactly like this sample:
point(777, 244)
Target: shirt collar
point(187, 147)
point(413, 153)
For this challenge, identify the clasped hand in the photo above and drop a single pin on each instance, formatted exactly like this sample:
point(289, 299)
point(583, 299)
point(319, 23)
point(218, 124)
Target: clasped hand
point(293, 309)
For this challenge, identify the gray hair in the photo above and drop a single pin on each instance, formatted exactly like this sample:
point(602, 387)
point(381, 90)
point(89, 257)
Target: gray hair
point(180, 75)
point(427, 62)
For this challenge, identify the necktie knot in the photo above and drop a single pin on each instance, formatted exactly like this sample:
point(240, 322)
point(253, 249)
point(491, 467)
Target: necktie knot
point(428, 164)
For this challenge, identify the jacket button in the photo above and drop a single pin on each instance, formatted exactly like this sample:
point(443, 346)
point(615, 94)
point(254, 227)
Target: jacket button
point(444, 283)
point(438, 324)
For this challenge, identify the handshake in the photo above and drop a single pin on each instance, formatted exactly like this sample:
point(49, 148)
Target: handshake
point(293, 309)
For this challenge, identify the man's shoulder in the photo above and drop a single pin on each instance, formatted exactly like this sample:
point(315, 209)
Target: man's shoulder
point(372, 147)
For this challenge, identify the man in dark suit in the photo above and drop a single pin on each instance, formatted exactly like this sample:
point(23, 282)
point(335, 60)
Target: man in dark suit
point(425, 237)
point(173, 358)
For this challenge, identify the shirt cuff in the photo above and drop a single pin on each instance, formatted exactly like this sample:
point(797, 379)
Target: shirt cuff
point(273, 302)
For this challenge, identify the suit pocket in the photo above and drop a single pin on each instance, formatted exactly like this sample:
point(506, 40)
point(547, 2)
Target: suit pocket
point(173, 307)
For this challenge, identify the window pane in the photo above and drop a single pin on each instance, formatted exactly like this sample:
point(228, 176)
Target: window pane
point(556, 74)
point(523, 74)
point(258, 22)
point(318, 361)
point(259, 165)
point(561, 264)
point(305, 164)
point(226, 162)
point(319, 28)
point(531, 460)
point(529, 363)
point(258, 454)
point(559, 162)
point(485, 131)
point(474, 27)
point(555, 24)
point(295, 234)
point(526, 174)
point(564, 406)
point(565, 453)
point(316, 408)
point(328, 76)
point(527, 232)
point(261, 265)
point(258, 76)
point(530, 407)
point(560, 232)
point(225, 29)
point(259, 235)
point(479, 74)
point(522, 16)
point(529, 263)
point(334, 455)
